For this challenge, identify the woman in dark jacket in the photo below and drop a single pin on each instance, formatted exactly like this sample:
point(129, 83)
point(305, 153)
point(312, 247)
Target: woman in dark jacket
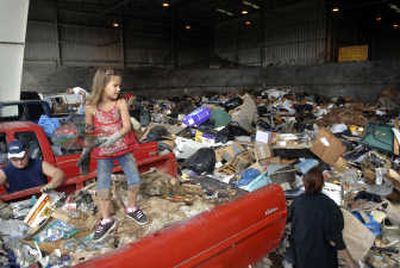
point(317, 225)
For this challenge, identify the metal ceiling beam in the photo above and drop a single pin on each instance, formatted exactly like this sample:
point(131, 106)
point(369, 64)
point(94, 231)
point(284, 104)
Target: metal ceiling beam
point(114, 7)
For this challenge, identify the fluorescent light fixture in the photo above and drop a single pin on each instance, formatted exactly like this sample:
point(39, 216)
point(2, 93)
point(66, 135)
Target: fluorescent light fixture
point(394, 7)
point(223, 11)
point(115, 24)
point(165, 4)
point(395, 26)
point(335, 9)
point(250, 4)
point(188, 27)
point(247, 23)
point(244, 12)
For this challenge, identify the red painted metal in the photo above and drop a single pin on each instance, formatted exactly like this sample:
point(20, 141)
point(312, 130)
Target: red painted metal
point(235, 234)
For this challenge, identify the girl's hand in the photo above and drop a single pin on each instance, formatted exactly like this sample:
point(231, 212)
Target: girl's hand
point(110, 140)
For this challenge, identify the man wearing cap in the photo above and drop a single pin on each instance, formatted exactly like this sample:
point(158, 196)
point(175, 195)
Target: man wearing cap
point(23, 172)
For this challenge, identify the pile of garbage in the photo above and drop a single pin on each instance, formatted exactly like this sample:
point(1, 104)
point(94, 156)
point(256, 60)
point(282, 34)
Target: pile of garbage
point(56, 230)
point(228, 145)
point(276, 136)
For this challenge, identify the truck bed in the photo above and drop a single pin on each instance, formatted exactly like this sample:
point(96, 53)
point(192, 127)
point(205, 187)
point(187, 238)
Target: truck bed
point(232, 230)
point(206, 234)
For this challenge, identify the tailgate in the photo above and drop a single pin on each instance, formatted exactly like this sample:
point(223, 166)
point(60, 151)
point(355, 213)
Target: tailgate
point(235, 234)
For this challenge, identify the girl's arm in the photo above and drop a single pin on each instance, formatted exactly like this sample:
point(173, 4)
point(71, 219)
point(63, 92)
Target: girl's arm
point(88, 136)
point(126, 120)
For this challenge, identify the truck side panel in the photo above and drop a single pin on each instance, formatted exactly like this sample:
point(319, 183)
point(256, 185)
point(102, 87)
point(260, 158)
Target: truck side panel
point(146, 155)
point(235, 234)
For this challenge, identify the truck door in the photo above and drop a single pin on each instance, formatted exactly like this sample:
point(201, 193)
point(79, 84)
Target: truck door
point(3, 150)
point(67, 161)
point(3, 156)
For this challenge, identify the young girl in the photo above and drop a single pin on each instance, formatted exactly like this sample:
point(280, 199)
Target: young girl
point(108, 119)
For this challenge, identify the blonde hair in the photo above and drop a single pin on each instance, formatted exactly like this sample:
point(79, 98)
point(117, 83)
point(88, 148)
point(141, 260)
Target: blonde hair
point(101, 78)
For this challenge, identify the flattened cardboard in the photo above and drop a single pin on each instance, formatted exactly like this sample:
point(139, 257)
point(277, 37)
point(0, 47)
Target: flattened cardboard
point(327, 147)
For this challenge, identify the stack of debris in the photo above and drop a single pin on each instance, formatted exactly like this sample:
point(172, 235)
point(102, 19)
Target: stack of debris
point(229, 145)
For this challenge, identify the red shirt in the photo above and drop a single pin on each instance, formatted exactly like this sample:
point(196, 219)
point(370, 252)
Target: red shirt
point(105, 124)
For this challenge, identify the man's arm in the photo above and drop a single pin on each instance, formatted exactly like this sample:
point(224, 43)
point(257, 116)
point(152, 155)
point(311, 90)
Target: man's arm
point(56, 175)
point(3, 177)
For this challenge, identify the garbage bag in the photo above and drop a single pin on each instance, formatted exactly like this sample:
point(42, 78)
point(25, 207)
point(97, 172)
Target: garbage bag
point(233, 103)
point(264, 125)
point(182, 107)
point(144, 117)
point(203, 160)
point(230, 132)
point(219, 117)
point(379, 137)
point(157, 133)
point(263, 110)
point(246, 114)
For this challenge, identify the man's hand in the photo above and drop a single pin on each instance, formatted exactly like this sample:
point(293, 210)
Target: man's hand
point(48, 187)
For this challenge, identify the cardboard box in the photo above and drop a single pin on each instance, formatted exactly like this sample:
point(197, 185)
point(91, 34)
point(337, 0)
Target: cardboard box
point(39, 213)
point(327, 147)
point(262, 151)
point(232, 151)
point(263, 136)
point(341, 164)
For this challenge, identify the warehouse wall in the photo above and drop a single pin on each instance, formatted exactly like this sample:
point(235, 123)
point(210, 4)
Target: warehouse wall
point(62, 52)
point(294, 35)
point(358, 80)
point(59, 40)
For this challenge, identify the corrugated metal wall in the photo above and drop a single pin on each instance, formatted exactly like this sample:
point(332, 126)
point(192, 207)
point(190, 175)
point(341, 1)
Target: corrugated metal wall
point(236, 42)
point(146, 44)
point(86, 46)
point(69, 38)
point(294, 35)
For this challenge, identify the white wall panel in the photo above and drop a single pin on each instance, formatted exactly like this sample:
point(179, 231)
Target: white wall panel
point(13, 20)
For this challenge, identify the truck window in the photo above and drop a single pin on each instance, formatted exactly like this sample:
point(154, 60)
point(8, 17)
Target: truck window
point(34, 110)
point(3, 149)
point(30, 140)
point(9, 113)
point(68, 139)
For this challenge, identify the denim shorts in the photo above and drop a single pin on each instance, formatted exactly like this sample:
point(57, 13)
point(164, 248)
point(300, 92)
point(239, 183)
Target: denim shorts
point(104, 170)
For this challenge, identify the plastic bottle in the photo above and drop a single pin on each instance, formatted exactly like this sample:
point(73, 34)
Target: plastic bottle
point(197, 117)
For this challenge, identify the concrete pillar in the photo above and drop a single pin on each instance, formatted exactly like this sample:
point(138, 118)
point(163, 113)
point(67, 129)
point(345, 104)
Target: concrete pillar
point(13, 20)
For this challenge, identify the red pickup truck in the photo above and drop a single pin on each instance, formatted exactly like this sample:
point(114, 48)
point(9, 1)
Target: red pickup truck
point(146, 155)
point(234, 234)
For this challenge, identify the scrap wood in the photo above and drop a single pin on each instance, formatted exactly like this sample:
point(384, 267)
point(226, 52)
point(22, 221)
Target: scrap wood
point(348, 116)
point(394, 178)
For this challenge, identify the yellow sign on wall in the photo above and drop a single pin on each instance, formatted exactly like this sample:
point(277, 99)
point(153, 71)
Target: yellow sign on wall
point(353, 53)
